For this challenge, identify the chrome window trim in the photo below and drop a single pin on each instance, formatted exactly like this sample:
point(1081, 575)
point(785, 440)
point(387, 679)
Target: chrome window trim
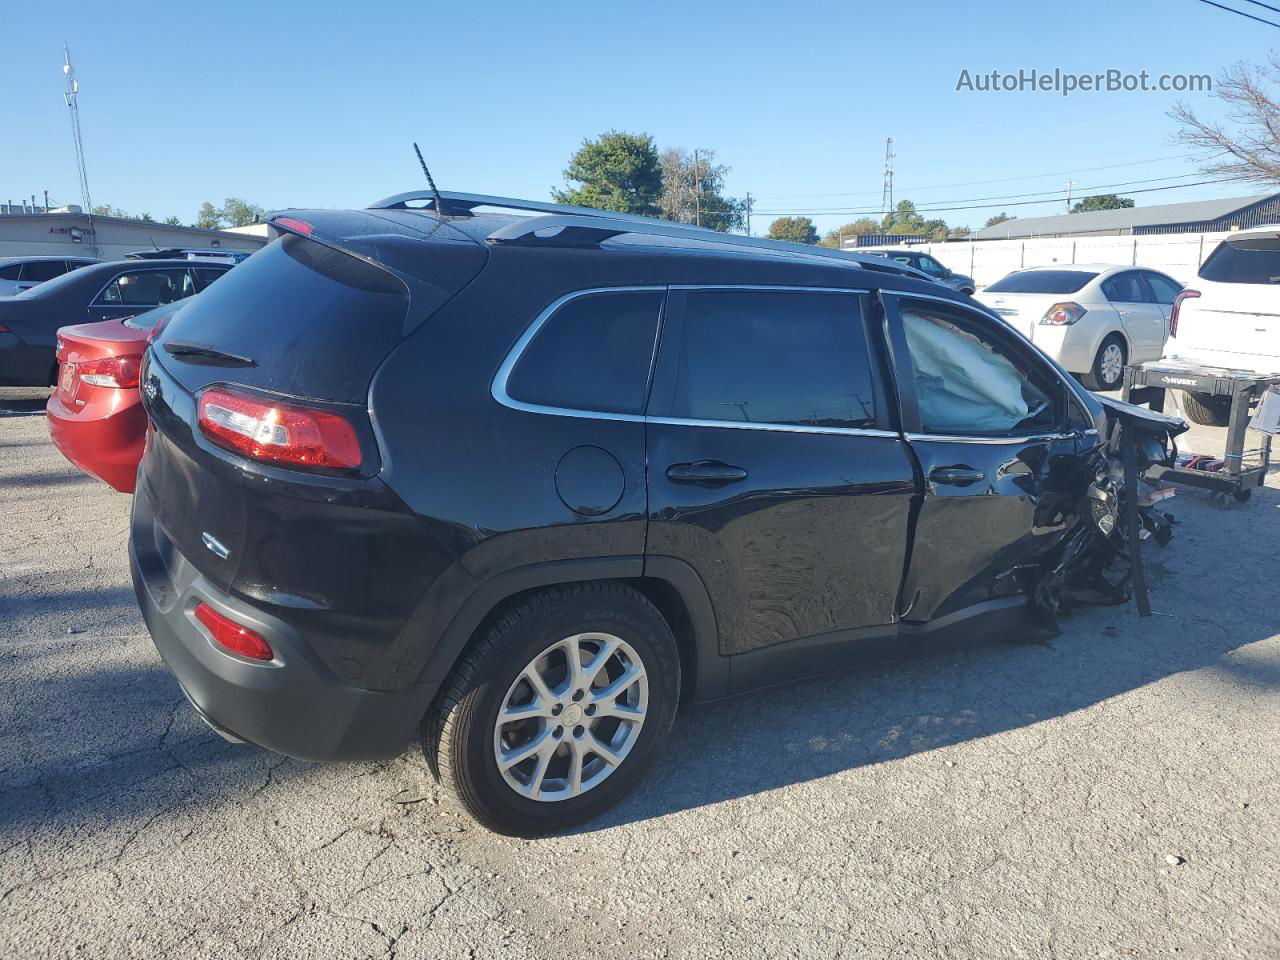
point(977, 438)
point(498, 389)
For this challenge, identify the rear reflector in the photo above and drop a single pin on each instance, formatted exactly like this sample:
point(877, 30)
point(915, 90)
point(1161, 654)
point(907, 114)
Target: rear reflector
point(118, 372)
point(278, 432)
point(1177, 308)
point(227, 633)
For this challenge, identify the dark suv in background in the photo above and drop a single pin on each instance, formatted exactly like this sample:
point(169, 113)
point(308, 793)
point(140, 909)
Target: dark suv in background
point(526, 483)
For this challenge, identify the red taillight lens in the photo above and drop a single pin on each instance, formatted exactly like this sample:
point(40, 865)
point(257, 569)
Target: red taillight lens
point(1061, 314)
point(118, 372)
point(227, 633)
point(1177, 305)
point(278, 432)
point(3, 328)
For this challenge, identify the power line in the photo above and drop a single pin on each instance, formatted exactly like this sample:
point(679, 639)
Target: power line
point(1058, 192)
point(978, 183)
point(1241, 13)
point(1267, 6)
point(974, 206)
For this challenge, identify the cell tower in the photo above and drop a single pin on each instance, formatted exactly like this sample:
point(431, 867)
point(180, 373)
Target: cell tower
point(71, 96)
point(886, 196)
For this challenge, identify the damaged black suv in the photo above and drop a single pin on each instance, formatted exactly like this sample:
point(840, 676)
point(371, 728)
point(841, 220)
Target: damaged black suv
point(525, 482)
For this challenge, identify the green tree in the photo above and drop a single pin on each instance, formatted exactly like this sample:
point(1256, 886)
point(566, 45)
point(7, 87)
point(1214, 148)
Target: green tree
point(240, 213)
point(859, 228)
point(146, 218)
point(998, 218)
point(936, 229)
point(793, 230)
point(904, 220)
point(959, 233)
point(693, 191)
point(1102, 201)
point(209, 217)
point(618, 172)
point(172, 220)
point(106, 210)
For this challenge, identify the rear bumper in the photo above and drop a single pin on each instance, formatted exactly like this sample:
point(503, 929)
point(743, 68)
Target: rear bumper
point(108, 447)
point(293, 704)
point(1073, 346)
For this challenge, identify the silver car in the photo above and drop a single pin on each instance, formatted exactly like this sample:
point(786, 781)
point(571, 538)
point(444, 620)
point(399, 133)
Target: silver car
point(23, 273)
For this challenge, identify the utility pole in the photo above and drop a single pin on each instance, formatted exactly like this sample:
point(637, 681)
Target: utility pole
point(71, 96)
point(1070, 184)
point(697, 190)
point(46, 201)
point(886, 194)
point(748, 213)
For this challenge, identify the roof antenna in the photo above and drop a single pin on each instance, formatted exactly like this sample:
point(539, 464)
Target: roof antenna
point(431, 183)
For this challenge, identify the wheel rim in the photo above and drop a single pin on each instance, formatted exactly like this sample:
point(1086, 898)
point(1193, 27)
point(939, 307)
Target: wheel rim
point(571, 717)
point(1112, 365)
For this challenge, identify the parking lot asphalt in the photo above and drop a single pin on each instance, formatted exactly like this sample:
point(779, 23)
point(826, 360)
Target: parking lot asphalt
point(1112, 792)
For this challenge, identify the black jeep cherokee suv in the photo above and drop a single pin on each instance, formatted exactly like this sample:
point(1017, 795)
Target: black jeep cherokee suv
point(525, 483)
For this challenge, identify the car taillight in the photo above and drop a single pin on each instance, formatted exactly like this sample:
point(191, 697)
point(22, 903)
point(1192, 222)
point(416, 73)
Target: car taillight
point(294, 224)
point(119, 372)
point(278, 432)
point(156, 330)
point(1177, 306)
point(4, 329)
point(236, 638)
point(1061, 314)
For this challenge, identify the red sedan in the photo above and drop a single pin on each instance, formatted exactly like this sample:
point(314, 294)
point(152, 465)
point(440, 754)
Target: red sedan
point(95, 413)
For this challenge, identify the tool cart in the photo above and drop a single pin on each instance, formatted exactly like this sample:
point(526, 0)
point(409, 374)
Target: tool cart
point(1242, 470)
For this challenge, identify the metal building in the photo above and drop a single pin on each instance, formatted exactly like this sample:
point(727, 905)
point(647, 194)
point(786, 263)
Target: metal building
point(33, 234)
point(1196, 216)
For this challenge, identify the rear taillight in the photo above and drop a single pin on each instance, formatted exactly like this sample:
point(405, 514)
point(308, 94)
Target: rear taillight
point(236, 638)
point(155, 331)
point(278, 432)
point(1177, 308)
point(1061, 314)
point(119, 372)
point(4, 329)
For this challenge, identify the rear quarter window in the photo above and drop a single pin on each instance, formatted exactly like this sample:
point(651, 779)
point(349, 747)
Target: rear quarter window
point(1042, 281)
point(1254, 260)
point(593, 353)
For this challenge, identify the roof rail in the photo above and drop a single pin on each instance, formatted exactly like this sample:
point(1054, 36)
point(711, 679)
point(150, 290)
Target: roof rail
point(573, 230)
point(462, 204)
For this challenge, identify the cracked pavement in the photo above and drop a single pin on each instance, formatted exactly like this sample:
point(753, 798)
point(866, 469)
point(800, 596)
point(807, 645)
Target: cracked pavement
point(1114, 792)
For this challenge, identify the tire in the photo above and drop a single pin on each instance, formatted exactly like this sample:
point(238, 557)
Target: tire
point(1105, 374)
point(1206, 410)
point(462, 737)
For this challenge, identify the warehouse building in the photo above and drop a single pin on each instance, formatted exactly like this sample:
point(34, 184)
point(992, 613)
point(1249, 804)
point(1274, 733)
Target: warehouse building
point(1197, 216)
point(72, 233)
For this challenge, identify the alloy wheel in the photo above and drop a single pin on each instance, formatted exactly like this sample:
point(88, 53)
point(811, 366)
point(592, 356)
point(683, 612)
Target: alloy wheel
point(1112, 363)
point(571, 717)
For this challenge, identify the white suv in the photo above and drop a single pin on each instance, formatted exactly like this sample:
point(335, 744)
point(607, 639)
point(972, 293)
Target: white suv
point(1229, 317)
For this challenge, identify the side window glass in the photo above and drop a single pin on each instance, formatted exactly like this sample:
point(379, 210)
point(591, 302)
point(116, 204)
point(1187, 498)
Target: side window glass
point(1165, 290)
point(1125, 288)
point(39, 271)
point(205, 276)
point(593, 353)
point(968, 384)
point(12, 272)
point(147, 288)
point(780, 357)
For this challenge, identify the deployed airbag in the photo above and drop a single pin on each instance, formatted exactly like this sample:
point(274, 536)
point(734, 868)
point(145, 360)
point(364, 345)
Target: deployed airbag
point(962, 385)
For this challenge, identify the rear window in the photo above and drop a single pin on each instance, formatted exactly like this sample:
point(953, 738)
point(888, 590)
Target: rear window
point(316, 322)
point(1252, 260)
point(1042, 281)
point(594, 353)
point(38, 271)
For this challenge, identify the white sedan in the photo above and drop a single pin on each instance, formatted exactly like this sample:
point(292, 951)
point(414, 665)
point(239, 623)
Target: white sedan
point(1092, 318)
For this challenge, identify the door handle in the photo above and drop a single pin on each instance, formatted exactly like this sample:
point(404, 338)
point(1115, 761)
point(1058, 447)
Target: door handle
point(707, 473)
point(956, 476)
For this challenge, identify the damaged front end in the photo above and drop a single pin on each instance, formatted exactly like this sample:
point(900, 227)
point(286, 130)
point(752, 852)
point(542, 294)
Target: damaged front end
point(1100, 561)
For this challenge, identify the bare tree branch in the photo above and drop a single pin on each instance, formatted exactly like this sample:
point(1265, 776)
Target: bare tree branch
point(1246, 146)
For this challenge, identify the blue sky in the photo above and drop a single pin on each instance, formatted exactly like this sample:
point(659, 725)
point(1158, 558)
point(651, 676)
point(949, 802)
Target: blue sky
point(315, 104)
